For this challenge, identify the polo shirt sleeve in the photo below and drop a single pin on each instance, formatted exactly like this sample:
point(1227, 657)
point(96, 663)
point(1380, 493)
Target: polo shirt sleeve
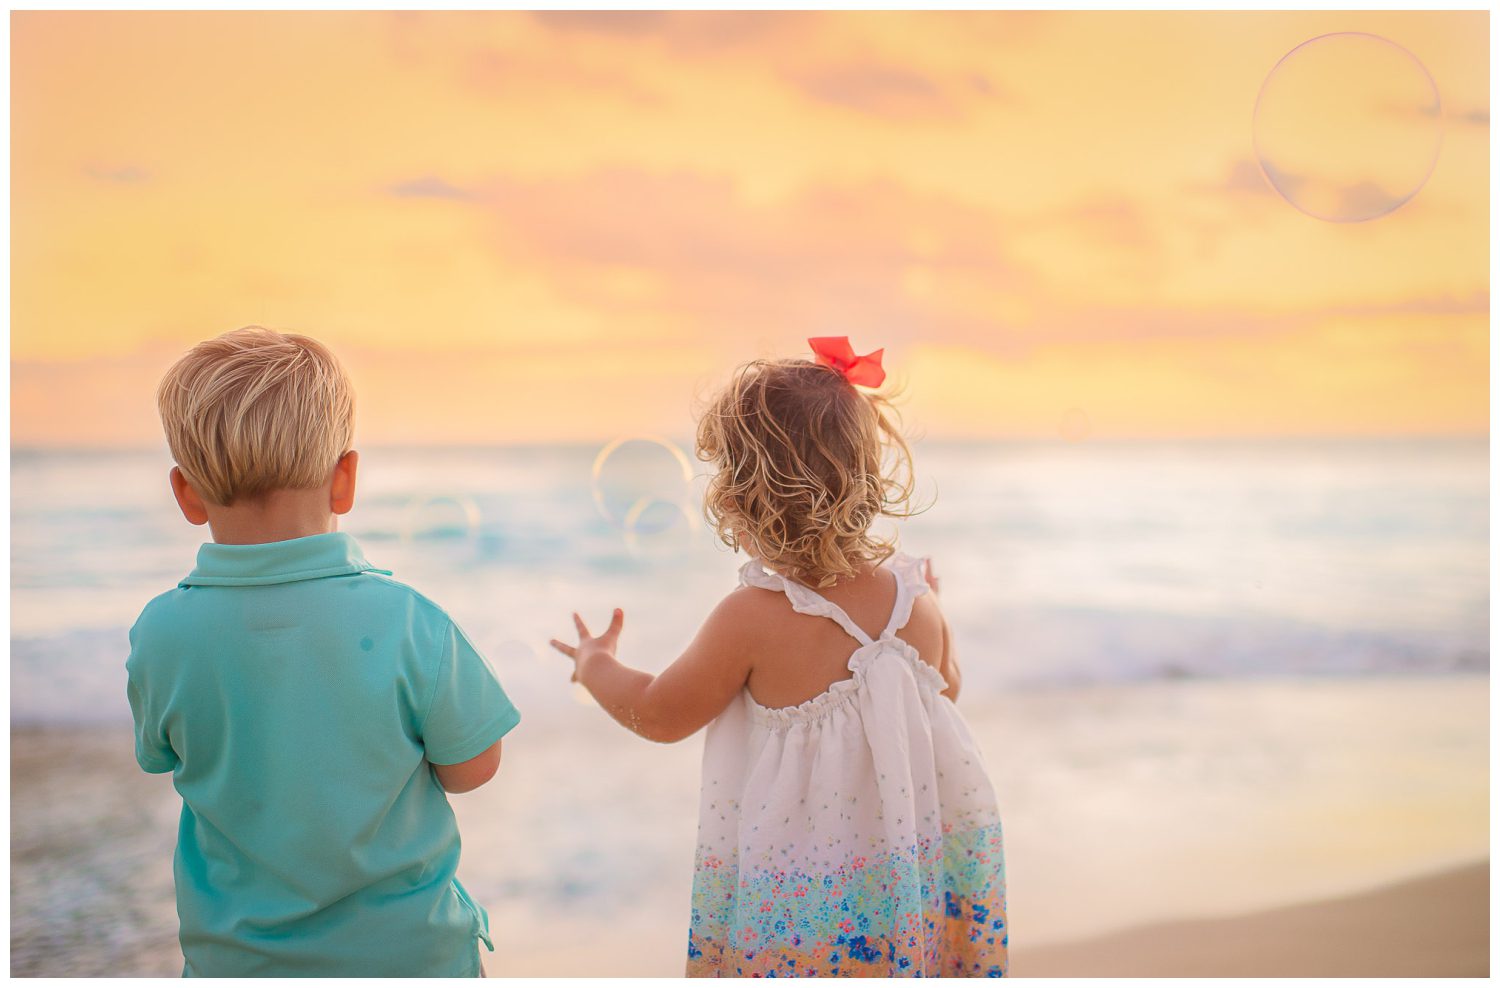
point(153, 751)
point(469, 710)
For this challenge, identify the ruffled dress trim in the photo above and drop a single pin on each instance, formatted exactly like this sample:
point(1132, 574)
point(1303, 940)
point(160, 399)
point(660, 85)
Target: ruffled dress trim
point(910, 584)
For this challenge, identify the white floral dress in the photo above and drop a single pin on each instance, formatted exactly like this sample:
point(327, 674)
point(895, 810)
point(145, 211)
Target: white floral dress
point(854, 834)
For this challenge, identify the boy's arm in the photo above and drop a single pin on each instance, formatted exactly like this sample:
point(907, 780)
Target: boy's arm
point(466, 717)
point(470, 775)
point(687, 695)
point(153, 749)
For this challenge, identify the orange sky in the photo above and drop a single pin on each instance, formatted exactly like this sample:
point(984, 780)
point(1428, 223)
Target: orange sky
point(519, 227)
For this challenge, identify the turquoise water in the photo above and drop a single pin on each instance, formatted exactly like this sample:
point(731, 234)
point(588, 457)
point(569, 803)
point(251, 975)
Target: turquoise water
point(1068, 563)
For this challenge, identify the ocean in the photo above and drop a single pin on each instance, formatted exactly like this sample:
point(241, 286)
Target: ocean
point(1207, 677)
point(1061, 564)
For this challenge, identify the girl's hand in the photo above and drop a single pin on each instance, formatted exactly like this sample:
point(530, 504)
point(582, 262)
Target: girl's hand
point(589, 648)
point(687, 694)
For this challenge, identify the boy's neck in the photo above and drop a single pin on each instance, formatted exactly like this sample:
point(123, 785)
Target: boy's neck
point(274, 517)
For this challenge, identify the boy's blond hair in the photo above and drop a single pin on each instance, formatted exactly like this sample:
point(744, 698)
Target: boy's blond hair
point(805, 465)
point(253, 411)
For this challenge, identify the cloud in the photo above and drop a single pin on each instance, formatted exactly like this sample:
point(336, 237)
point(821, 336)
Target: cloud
point(1433, 111)
point(505, 55)
point(1067, 323)
point(686, 252)
point(1367, 200)
point(981, 84)
point(1476, 302)
point(118, 174)
point(1429, 109)
point(686, 32)
point(1246, 176)
point(617, 23)
point(881, 90)
point(1241, 179)
point(1289, 184)
point(1358, 202)
point(521, 74)
point(429, 187)
point(688, 247)
point(1116, 221)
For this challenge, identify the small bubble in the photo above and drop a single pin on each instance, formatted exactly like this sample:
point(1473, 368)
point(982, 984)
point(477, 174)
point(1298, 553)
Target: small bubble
point(440, 517)
point(1075, 426)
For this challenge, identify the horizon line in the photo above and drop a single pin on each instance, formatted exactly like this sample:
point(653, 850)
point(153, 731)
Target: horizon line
point(1014, 440)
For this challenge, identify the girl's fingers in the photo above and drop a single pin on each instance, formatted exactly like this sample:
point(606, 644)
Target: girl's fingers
point(615, 624)
point(583, 630)
point(567, 650)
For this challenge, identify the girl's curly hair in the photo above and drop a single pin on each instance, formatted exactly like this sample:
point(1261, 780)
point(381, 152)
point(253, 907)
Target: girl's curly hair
point(806, 464)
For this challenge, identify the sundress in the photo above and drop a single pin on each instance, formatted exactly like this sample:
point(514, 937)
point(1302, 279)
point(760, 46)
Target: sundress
point(856, 834)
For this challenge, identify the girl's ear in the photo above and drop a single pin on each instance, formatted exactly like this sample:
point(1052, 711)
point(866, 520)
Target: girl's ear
point(187, 499)
point(341, 495)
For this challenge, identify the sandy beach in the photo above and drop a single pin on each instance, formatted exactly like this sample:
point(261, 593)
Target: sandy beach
point(1196, 828)
point(1436, 926)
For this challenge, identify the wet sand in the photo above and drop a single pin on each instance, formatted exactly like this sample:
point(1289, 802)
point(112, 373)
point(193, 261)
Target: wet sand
point(1333, 844)
point(91, 839)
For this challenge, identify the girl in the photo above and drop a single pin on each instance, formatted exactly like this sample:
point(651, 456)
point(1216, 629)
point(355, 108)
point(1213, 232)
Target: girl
point(846, 825)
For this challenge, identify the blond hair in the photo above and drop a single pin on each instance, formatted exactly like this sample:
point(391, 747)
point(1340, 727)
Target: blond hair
point(806, 464)
point(253, 411)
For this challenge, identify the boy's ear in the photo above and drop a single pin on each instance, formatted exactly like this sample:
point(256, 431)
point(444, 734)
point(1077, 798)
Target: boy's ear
point(341, 496)
point(188, 499)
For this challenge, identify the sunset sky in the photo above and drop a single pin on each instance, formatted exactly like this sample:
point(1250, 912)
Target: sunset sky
point(522, 227)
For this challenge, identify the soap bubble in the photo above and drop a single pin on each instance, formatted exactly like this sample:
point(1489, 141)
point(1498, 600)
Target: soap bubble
point(658, 527)
point(1348, 126)
point(643, 486)
point(443, 517)
point(1075, 425)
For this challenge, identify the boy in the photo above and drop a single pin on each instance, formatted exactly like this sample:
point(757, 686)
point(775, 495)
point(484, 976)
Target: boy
point(312, 710)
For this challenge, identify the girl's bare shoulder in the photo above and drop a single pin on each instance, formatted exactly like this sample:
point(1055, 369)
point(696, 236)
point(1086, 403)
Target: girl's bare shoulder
point(924, 629)
point(746, 612)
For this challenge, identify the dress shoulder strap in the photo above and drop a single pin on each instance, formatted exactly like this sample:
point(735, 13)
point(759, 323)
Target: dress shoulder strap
point(910, 584)
point(804, 600)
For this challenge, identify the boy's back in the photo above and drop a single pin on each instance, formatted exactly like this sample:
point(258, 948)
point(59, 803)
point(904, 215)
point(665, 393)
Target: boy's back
point(306, 693)
point(313, 711)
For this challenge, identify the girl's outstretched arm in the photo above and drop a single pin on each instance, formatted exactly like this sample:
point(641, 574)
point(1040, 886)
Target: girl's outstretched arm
point(686, 695)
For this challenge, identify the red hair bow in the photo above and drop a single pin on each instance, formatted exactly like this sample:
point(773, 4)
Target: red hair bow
point(835, 352)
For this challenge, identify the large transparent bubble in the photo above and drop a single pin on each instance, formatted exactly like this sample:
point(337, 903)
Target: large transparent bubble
point(643, 486)
point(1348, 126)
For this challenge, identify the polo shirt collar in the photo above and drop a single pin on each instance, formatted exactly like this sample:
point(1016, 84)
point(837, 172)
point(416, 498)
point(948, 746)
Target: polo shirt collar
point(310, 558)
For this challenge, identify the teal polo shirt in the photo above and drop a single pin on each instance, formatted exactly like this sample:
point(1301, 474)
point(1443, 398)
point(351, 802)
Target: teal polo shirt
point(299, 696)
